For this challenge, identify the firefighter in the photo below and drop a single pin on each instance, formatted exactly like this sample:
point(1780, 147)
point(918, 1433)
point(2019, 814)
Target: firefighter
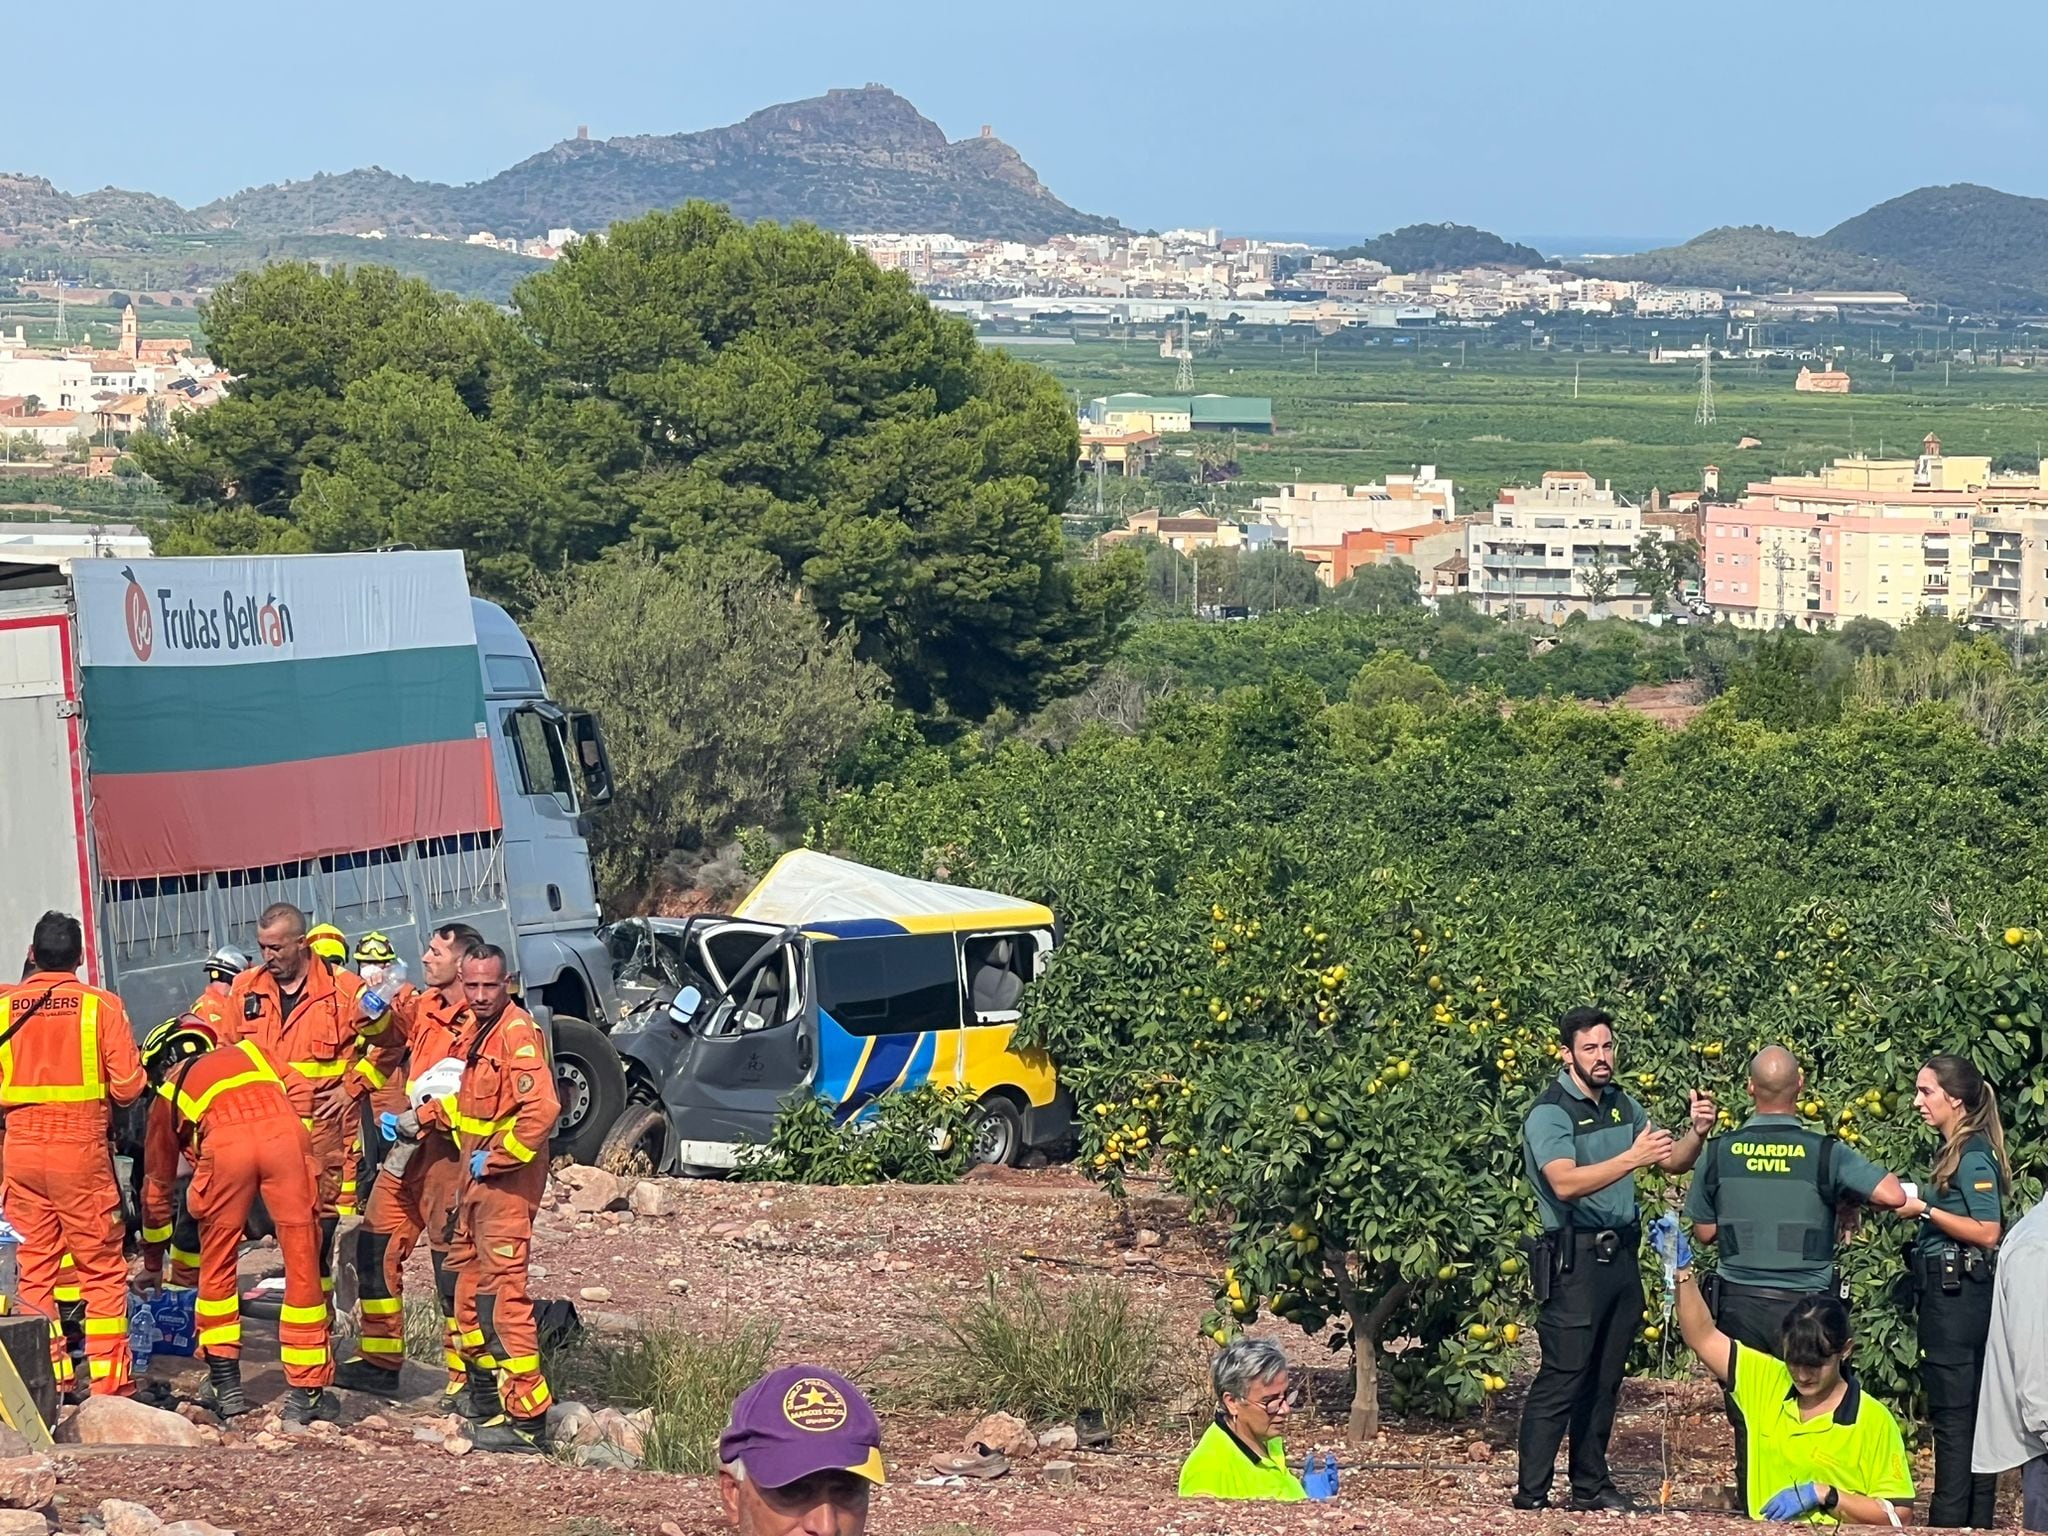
point(66, 1055)
point(329, 943)
point(420, 1199)
point(221, 967)
point(295, 1007)
point(503, 1113)
point(227, 1109)
point(373, 958)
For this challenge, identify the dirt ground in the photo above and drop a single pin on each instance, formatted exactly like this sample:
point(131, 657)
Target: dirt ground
point(847, 1276)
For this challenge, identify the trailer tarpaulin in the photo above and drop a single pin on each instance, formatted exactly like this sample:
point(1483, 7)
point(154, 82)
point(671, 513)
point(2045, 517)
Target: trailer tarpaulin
point(255, 710)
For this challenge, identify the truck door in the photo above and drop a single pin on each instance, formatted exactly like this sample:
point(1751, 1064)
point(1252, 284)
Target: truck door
point(752, 1042)
point(42, 788)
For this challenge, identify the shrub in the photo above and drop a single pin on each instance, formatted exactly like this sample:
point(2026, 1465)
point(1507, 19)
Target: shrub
point(919, 1137)
point(1019, 1350)
point(687, 1377)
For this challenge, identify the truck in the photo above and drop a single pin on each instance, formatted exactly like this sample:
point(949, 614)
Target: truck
point(186, 741)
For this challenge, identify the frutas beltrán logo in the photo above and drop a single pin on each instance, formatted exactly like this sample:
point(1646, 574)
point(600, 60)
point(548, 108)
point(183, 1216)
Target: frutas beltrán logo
point(238, 622)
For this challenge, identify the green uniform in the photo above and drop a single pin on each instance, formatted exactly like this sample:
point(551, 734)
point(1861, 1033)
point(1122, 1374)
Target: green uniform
point(1771, 1187)
point(1564, 1123)
point(1972, 1191)
point(1857, 1448)
point(1221, 1466)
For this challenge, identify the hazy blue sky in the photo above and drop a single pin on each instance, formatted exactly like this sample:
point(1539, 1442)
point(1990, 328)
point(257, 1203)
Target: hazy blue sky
point(1523, 116)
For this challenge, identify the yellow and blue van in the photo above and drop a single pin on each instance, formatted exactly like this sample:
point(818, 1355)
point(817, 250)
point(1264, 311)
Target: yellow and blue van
point(845, 980)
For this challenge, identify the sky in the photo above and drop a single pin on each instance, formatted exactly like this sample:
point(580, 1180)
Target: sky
point(1528, 117)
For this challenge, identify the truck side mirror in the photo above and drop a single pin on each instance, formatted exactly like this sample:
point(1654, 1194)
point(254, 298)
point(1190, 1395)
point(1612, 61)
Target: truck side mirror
point(592, 760)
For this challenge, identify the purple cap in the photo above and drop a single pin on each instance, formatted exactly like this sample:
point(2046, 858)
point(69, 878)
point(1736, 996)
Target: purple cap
point(799, 1421)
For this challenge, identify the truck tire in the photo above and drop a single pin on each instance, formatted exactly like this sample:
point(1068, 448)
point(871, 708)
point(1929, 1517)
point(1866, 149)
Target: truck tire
point(637, 1144)
point(591, 1081)
point(998, 1131)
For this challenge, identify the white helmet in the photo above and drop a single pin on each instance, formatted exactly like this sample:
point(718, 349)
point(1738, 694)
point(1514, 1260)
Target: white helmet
point(226, 963)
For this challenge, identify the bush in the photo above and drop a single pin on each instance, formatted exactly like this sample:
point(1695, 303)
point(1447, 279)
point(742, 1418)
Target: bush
point(919, 1137)
point(688, 1377)
point(1018, 1350)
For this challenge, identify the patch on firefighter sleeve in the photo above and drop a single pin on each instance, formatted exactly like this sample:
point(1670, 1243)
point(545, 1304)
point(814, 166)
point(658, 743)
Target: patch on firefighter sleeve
point(526, 1082)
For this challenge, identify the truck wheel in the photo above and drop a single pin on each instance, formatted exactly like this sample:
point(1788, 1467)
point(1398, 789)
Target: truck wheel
point(637, 1143)
point(591, 1081)
point(998, 1132)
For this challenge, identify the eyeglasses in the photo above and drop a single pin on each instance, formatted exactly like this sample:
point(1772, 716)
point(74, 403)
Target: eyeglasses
point(1287, 1399)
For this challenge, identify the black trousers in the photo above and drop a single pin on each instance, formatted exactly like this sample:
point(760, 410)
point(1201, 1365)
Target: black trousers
point(1586, 1329)
point(1753, 1318)
point(1952, 1332)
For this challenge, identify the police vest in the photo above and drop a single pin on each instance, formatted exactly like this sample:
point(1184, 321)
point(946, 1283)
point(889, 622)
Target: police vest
point(1597, 1121)
point(1773, 1194)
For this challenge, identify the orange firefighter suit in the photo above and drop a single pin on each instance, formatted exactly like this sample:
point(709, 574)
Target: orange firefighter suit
point(505, 1110)
point(421, 1201)
point(68, 1054)
point(230, 1112)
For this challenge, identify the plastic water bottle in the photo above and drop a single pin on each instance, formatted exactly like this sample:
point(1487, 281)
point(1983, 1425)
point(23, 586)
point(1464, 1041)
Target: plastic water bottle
point(377, 1000)
point(141, 1332)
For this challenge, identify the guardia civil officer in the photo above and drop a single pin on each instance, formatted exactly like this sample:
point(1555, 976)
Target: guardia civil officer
point(1766, 1196)
point(1583, 1141)
point(1954, 1258)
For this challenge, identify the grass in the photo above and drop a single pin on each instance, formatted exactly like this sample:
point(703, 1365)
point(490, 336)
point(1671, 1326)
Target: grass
point(425, 1341)
point(688, 1379)
point(1020, 1350)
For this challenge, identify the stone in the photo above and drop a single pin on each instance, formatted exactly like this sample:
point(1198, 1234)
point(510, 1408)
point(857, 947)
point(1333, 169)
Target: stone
point(1061, 1437)
point(23, 1522)
point(124, 1421)
point(457, 1447)
point(374, 1421)
point(1479, 1450)
point(670, 1528)
point(651, 1199)
point(595, 1293)
point(1059, 1471)
point(1003, 1432)
point(626, 1431)
point(27, 1482)
point(390, 1530)
point(426, 1434)
point(566, 1422)
point(1147, 1238)
point(605, 1454)
point(591, 1190)
point(725, 1229)
point(120, 1518)
point(14, 1443)
point(1136, 1259)
point(194, 1528)
point(679, 1287)
point(198, 1413)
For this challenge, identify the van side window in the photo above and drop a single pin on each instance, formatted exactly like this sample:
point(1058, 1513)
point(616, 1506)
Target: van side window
point(888, 986)
point(998, 965)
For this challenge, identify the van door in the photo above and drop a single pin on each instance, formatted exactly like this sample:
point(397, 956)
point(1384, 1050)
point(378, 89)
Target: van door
point(888, 1012)
point(751, 1043)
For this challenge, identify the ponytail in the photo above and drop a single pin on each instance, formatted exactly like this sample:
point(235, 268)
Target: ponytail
point(1959, 1078)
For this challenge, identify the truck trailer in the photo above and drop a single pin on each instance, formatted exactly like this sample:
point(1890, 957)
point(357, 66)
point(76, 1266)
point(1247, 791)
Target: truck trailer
point(186, 741)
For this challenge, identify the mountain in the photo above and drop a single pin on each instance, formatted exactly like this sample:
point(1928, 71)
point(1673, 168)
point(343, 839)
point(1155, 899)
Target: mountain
point(852, 160)
point(31, 209)
point(1965, 246)
point(1442, 247)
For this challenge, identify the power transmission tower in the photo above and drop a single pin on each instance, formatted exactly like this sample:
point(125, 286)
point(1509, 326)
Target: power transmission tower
point(1781, 562)
point(1184, 376)
point(1704, 416)
point(63, 330)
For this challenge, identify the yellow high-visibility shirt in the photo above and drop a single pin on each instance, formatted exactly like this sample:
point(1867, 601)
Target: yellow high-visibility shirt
point(1221, 1466)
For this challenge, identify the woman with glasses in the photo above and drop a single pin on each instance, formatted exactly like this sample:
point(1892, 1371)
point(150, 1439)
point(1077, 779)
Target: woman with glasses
point(1240, 1455)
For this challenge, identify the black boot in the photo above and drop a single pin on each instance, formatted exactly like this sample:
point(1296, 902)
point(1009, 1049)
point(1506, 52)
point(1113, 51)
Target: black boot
point(302, 1405)
point(225, 1378)
point(484, 1403)
point(517, 1437)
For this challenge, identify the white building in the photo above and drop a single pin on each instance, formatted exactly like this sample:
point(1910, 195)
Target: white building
point(1315, 516)
point(59, 383)
point(1532, 560)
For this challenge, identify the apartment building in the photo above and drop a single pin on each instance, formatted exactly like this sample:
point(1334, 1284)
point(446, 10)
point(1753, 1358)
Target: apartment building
point(2009, 558)
point(1864, 538)
point(1533, 559)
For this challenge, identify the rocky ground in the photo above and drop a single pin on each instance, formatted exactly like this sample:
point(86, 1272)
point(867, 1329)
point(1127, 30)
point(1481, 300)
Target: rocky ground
point(849, 1278)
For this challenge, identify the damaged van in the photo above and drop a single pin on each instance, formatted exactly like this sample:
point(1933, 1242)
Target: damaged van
point(836, 979)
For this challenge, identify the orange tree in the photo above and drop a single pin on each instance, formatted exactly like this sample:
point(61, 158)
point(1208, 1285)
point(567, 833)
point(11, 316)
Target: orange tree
point(1312, 955)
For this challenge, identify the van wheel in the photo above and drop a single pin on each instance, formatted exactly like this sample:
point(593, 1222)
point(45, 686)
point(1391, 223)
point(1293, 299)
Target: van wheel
point(637, 1143)
point(591, 1081)
point(998, 1133)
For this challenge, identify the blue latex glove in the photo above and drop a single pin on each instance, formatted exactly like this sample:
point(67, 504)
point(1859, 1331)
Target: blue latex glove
point(1320, 1482)
point(388, 1124)
point(1799, 1499)
point(476, 1162)
point(1669, 1242)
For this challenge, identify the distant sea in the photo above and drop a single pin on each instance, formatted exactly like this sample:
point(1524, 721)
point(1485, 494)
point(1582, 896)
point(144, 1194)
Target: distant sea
point(1569, 247)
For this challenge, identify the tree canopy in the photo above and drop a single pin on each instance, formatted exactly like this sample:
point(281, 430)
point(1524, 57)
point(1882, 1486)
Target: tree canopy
point(688, 381)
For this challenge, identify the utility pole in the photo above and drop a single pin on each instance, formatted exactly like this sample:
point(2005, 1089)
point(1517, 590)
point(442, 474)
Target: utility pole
point(1704, 415)
point(1575, 380)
